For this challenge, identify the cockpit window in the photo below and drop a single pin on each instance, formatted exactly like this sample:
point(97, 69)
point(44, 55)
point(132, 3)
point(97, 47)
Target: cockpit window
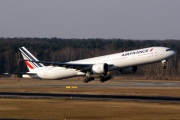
point(169, 49)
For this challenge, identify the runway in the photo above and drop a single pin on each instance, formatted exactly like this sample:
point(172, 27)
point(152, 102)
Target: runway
point(86, 96)
point(52, 99)
point(94, 84)
point(138, 90)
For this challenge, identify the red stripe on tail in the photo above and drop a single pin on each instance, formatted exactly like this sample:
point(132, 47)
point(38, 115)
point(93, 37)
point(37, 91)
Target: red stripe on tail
point(29, 65)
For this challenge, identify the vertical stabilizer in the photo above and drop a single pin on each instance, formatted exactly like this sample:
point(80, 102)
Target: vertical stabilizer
point(28, 56)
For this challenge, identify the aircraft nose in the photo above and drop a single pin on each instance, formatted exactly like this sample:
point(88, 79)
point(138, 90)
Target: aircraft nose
point(173, 52)
point(170, 51)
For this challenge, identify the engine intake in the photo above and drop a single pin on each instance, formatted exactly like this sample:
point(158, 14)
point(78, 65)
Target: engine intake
point(100, 68)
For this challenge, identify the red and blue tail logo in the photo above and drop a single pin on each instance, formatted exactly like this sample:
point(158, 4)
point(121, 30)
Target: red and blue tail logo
point(28, 57)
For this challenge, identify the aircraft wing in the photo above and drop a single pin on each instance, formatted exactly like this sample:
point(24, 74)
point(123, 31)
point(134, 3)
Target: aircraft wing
point(81, 67)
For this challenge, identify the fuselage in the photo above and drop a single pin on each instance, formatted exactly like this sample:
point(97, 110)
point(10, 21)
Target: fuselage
point(117, 61)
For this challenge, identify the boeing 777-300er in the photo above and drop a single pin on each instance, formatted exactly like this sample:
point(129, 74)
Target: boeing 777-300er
point(125, 62)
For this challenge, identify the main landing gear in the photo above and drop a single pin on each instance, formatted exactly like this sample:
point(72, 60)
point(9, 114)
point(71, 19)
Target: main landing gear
point(88, 78)
point(164, 64)
point(105, 77)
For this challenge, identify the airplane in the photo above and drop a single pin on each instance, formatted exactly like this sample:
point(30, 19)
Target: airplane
point(126, 62)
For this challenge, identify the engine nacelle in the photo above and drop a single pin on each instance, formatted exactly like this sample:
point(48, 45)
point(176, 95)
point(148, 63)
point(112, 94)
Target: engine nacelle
point(128, 70)
point(100, 68)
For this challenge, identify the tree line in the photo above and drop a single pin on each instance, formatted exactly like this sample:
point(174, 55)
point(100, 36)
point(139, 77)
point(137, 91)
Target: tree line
point(62, 50)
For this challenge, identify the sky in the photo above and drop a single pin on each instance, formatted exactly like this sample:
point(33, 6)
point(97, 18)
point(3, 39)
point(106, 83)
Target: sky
point(125, 19)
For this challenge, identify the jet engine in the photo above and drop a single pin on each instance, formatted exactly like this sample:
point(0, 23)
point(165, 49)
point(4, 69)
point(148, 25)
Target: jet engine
point(100, 68)
point(128, 70)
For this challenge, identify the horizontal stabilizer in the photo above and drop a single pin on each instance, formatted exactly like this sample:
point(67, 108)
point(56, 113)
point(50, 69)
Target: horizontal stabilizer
point(20, 73)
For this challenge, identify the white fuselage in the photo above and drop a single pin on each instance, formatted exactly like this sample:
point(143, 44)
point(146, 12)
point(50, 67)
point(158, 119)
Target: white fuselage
point(117, 61)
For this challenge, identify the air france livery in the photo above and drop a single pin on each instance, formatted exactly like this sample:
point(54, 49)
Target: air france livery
point(125, 62)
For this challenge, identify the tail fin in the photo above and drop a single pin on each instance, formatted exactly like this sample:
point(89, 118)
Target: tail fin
point(28, 56)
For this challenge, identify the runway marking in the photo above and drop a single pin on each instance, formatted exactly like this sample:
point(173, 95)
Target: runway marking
point(68, 87)
point(73, 87)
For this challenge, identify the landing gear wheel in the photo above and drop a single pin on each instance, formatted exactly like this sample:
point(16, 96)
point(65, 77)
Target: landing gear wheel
point(102, 80)
point(85, 81)
point(105, 77)
point(88, 79)
point(164, 67)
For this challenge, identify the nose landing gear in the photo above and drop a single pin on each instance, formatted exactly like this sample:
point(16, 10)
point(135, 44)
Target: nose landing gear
point(164, 64)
